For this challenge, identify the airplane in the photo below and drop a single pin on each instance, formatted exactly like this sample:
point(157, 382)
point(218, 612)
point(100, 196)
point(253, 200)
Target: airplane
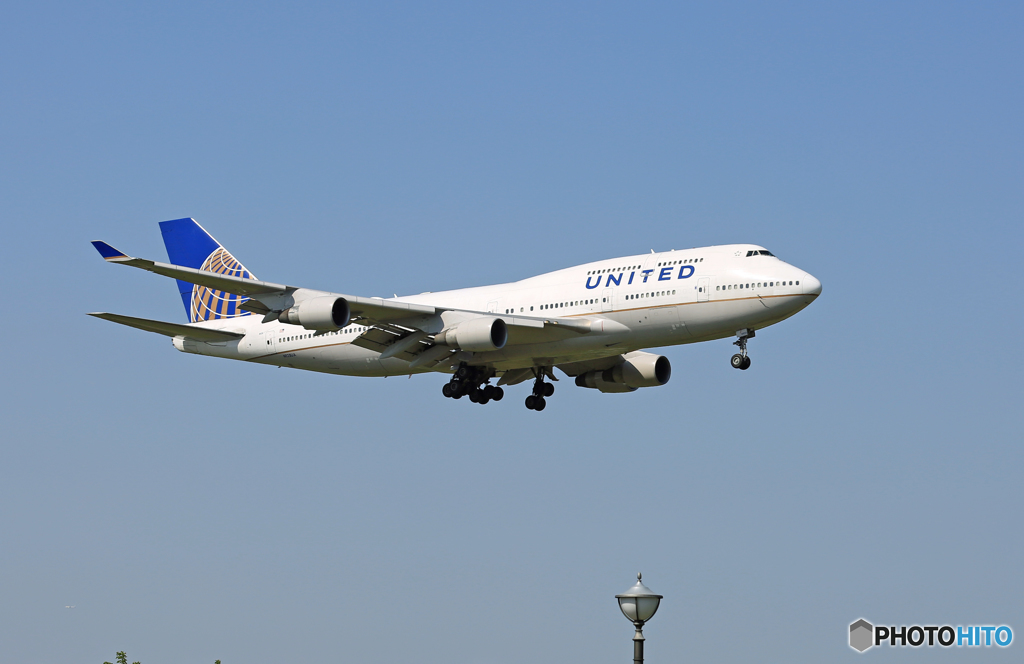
point(591, 321)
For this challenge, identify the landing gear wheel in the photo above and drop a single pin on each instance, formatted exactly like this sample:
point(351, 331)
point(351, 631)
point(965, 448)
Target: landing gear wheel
point(498, 394)
point(462, 371)
point(447, 390)
point(741, 360)
point(531, 402)
point(539, 404)
point(488, 392)
point(549, 389)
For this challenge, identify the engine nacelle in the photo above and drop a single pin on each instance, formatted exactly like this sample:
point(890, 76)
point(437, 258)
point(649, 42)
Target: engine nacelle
point(476, 334)
point(636, 371)
point(318, 313)
point(185, 345)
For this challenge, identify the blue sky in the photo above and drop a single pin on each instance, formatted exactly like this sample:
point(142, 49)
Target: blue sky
point(868, 465)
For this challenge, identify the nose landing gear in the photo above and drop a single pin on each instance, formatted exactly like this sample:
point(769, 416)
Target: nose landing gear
point(741, 360)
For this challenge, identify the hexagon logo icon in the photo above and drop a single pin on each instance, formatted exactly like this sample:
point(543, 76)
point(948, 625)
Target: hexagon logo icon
point(862, 635)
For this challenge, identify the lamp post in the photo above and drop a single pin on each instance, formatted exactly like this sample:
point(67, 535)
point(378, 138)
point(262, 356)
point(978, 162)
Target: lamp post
point(639, 605)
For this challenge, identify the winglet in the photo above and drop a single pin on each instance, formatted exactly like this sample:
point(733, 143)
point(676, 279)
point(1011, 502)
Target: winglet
point(108, 252)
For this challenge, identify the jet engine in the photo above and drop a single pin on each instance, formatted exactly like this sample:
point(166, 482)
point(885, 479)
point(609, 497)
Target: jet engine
point(636, 370)
point(318, 313)
point(476, 334)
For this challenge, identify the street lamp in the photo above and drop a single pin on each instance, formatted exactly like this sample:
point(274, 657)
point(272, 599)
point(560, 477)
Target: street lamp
point(639, 605)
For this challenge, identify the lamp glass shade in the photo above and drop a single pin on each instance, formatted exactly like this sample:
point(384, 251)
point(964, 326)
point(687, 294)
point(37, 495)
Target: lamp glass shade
point(639, 604)
point(628, 606)
point(646, 607)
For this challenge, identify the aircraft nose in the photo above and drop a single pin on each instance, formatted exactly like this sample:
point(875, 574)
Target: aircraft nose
point(812, 286)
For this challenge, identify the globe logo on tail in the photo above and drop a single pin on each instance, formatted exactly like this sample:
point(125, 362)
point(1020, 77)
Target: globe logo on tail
point(209, 304)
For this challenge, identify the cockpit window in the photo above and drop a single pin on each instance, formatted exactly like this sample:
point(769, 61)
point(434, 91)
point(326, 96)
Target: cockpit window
point(761, 252)
point(765, 252)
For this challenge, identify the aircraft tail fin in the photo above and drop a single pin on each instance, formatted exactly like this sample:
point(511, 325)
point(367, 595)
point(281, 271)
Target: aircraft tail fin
point(189, 245)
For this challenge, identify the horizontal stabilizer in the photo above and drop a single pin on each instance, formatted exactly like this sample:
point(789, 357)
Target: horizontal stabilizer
point(171, 329)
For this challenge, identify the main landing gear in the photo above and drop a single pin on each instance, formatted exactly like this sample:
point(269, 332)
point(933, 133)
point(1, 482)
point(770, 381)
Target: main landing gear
point(541, 389)
point(472, 382)
point(741, 360)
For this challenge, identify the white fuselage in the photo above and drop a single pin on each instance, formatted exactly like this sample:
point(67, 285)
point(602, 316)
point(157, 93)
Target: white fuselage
point(644, 301)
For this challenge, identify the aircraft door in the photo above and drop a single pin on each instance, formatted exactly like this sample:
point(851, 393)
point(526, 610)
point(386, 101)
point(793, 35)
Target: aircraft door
point(268, 341)
point(703, 284)
point(606, 299)
point(492, 307)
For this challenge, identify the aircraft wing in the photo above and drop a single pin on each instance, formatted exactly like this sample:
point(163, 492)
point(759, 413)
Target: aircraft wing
point(397, 329)
point(265, 297)
point(389, 340)
point(171, 329)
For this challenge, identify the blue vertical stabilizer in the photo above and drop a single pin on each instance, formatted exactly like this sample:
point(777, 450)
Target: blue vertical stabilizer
point(189, 245)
